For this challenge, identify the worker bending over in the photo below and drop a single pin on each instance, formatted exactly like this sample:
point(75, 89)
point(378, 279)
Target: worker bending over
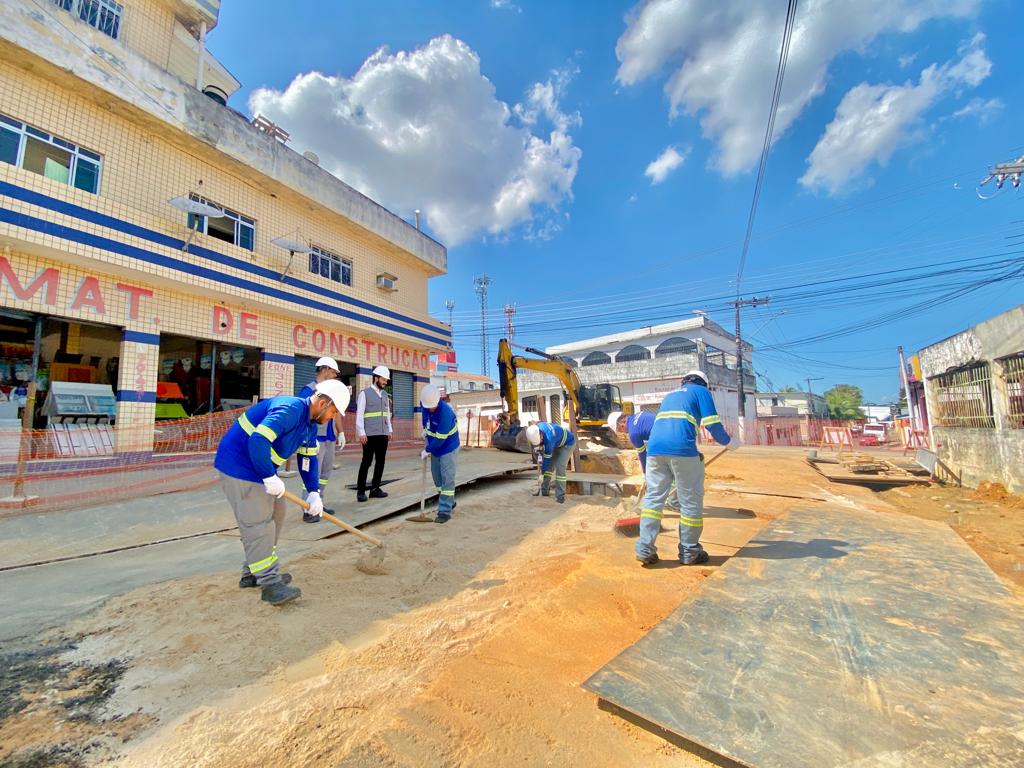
point(373, 426)
point(638, 427)
point(555, 443)
point(249, 453)
point(441, 430)
point(329, 436)
point(673, 457)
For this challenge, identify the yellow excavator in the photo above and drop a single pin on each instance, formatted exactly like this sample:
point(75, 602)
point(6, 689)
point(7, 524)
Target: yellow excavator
point(590, 405)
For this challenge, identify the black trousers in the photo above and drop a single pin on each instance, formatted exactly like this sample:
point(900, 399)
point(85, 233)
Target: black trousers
point(374, 450)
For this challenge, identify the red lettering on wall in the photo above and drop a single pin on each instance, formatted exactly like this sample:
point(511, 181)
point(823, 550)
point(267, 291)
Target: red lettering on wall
point(135, 295)
point(337, 342)
point(382, 353)
point(247, 326)
point(299, 334)
point(319, 340)
point(405, 358)
point(369, 350)
point(222, 321)
point(353, 347)
point(89, 295)
point(45, 277)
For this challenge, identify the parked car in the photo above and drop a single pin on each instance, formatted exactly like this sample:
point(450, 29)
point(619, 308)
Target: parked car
point(874, 434)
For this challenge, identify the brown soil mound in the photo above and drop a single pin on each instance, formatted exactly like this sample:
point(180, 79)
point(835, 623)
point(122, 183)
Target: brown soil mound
point(997, 492)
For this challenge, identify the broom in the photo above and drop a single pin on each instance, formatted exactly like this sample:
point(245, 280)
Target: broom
point(630, 526)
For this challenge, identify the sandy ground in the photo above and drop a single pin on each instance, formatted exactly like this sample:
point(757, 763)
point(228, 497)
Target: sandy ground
point(470, 651)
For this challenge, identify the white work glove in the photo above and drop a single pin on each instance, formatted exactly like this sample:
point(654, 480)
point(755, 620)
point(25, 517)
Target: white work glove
point(316, 504)
point(734, 443)
point(274, 486)
point(341, 440)
point(424, 455)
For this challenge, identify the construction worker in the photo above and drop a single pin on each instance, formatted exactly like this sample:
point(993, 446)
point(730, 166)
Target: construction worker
point(638, 427)
point(329, 436)
point(373, 426)
point(441, 430)
point(673, 457)
point(249, 453)
point(555, 442)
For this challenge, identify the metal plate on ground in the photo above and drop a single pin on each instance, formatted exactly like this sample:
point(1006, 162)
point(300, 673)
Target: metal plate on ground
point(837, 637)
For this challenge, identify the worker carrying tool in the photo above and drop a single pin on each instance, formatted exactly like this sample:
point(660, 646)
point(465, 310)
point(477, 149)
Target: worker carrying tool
point(673, 457)
point(329, 436)
point(441, 430)
point(373, 426)
point(555, 443)
point(249, 453)
point(638, 427)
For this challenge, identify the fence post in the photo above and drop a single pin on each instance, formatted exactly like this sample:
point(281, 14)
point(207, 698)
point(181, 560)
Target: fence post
point(25, 442)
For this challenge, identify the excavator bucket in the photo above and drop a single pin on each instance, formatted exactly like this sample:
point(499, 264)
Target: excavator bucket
point(511, 439)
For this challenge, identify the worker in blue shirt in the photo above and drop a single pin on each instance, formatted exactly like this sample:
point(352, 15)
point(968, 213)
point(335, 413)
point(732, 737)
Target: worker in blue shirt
point(250, 452)
point(638, 427)
point(555, 443)
point(329, 437)
point(673, 457)
point(441, 430)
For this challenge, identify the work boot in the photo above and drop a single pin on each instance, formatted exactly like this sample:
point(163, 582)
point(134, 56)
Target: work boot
point(560, 499)
point(377, 493)
point(248, 580)
point(442, 519)
point(361, 496)
point(701, 558)
point(308, 518)
point(279, 593)
point(649, 560)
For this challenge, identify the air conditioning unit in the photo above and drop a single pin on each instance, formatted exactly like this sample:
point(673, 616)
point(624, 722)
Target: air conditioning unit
point(387, 282)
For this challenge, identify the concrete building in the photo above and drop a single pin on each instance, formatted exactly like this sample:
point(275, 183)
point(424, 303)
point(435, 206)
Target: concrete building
point(791, 404)
point(974, 390)
point(648, 363)
point(157, 242)
point(454, 381)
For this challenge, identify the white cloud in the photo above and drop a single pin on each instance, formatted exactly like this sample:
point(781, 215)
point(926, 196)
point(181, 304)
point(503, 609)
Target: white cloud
point(667, 161)
point(721, 55)
point(907, 60)
point(983, 109)
point(506, 5)
point(632, 198)
point(424, 129)
point(873, 121)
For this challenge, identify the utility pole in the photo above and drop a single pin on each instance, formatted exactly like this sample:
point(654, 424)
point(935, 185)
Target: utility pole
point(906, 389)
point(740, 396)
point(1003, 171)
point(480, 285)
point(510, 328)
point(450, 305)
point(810, 393)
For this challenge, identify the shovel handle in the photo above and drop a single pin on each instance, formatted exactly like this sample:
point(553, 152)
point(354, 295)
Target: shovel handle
point(716, 457)
point(337, 521)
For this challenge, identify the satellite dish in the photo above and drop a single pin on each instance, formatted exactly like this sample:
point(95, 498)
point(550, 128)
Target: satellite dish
point(188, 205)
point(293, 247)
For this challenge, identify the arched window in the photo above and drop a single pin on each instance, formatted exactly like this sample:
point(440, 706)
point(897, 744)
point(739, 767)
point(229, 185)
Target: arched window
point(596, 358)
point(677, 345)
point(631, 353)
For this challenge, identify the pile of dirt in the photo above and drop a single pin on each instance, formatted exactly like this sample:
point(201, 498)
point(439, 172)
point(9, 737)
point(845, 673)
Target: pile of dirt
point(997, 492)
point(610, 461)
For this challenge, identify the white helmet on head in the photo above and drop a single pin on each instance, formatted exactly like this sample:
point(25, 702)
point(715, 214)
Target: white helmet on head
point(336, 391)
point(430, 396)
point(533, 434)
point(613, 420)
point(696, 373)
point(383, 372)
point(327, 362)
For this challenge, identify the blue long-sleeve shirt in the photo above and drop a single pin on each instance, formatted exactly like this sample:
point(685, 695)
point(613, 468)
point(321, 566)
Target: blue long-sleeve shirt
point(265, 437)
point(554, 436)
point(442, 427)
point(325, 433)
point(639, 426)
point(681, 414)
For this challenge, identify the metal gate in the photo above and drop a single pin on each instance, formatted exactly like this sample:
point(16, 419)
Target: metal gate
point(305, 372)
point(402, 399)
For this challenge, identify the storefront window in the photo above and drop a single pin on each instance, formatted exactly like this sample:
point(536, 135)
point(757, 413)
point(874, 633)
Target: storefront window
point(186, 365)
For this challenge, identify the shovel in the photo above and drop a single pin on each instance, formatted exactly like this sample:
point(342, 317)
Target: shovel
point(369, 562)
point(422, 517)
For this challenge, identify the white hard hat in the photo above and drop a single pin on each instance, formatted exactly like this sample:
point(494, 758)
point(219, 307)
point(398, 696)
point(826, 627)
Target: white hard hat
point(383, 372)
point(533, 434)
point(697, 373)
point(613, 420)
point(430, 396)
point(336, 391)
point(327, 362)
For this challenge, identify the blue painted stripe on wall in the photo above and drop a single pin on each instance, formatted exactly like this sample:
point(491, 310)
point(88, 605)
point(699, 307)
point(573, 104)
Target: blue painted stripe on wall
point(276, 358)
point(134, 396)
point(104, 243)
point(421, 379)
point(141, 338)
point(367, 371)
point(85, 214)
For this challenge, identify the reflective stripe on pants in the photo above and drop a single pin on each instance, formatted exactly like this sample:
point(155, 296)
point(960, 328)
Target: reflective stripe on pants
point(559, 462)
point(260, 517)
point(687, 472)
point(442, 469)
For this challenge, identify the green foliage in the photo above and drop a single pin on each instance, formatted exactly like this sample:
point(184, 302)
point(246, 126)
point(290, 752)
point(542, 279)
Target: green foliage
point(844, 401)
point(788, 388)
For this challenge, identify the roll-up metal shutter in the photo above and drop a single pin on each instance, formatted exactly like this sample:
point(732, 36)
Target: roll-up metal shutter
point(305, 371)
point(402, 395)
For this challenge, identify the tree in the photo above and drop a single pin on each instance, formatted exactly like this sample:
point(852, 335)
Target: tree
point(789, 389)
point(844, 401)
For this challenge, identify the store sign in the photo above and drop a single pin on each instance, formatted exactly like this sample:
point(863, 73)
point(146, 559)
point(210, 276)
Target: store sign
point(128, 301)
point(244, 325)
point(353, 348)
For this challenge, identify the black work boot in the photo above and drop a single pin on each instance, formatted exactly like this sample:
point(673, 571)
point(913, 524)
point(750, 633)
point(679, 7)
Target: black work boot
point(248, 580)
point(361, 496)
point(701, 558)
point(308, 518)
point(279, 593)
point(377, 493)
point(649, 560)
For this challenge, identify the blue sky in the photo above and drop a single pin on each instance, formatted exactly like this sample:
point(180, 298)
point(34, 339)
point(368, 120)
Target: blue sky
point(528, 132)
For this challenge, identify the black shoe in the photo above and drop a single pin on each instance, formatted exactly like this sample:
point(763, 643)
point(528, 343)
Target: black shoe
point(308, 518)
point(442, 519)
point(279, 593)
point(560, 499)
point(545, 493)
point(360, 496)
point(701, 558)
point(248, 580)
point(377, 493)
point(649, 560)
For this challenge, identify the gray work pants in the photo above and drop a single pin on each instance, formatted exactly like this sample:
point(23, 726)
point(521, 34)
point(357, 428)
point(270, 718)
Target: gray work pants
point(559, 462)
point(260, 517)
point(687, 472)
point(325, 458)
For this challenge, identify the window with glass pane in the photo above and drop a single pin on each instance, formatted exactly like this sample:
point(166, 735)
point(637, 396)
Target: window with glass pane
point(47, 160)
point(104, 15)
point(246, 235)
point(222, 228)
point(87, 175)
point(10, 142)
